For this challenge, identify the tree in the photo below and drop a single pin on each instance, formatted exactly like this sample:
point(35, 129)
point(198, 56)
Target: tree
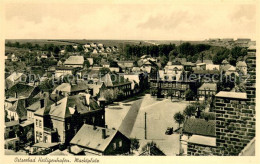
point(108, 95)
point(189, 95)
point(6, 118)
point(104, 71)
point(30, 136)
point(179, 118)
point(134, 144)
point(190, 110)
point(86, 63)
point(56, 50)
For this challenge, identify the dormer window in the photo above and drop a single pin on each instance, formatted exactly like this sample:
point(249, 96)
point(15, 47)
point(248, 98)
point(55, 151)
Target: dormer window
point(173, 77)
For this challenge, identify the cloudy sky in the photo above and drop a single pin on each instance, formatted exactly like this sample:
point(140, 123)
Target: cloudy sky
point(129, 21)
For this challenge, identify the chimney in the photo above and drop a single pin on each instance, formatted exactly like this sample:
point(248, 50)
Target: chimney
point(87, 96)
point(93, 120)
point(56, 99)
point(42, 103)
point(103, 133)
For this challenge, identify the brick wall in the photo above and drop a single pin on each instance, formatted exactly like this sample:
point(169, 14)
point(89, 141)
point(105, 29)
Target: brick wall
point(235, 118)
point(200, 150)
point(235, 125)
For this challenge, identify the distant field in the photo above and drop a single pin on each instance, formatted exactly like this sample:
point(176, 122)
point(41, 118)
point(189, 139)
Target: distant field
point(69, 41)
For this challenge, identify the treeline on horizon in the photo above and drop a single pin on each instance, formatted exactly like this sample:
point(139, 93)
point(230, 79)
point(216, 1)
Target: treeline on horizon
point(192, 52)
point(165, 52)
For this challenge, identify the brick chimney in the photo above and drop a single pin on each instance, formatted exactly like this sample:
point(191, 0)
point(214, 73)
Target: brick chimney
point(103, 133)
point(42, 103)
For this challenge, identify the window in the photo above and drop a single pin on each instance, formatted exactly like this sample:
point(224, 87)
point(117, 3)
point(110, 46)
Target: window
point(173, 77)
point(120, 144)
point(36, 122)
point(40, 123)
point(114, 146)
point(68, 126)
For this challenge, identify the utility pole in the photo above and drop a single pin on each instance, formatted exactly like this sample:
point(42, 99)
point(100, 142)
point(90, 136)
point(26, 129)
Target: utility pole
point(145, 128)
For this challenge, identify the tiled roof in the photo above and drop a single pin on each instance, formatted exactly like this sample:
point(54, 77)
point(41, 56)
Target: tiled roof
point(236, 95)
point(89, 137)
point(64, 87)
point(22, 90)
point(80, 86)
point(68, 105)
point(199, 127)
point(74, 60)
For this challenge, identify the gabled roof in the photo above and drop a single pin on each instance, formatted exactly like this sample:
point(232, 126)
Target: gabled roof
point(67, 106)
point(23, 90)
point(208, 86)
point(14, 76)
point(80, 86)
point(225, 62)
point(133, 78)
point(74, 60)
point(212, 67)
point(19, 108)
point(112, 79)
point(89, 137)
point(64, 87)
point(200, 127)
point(232, 68)
point(236, 95)
point(241, 64)
point(225, 67)
point(60, 110)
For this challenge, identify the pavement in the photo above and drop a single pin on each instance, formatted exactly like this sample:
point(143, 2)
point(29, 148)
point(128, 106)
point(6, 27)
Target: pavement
point(159, 116)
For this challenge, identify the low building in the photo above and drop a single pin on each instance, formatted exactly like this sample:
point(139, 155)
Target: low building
point(13, 79)
point(94, 140)
point(75, 61)
point(63, 71)
point(117, 82)
point(11, 129)
point(199, 137)
point(207, 90)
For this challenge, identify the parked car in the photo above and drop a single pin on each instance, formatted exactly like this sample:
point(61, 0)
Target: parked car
point(169, 131)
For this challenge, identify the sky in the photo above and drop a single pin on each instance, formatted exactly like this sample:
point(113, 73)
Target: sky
point(149, 21)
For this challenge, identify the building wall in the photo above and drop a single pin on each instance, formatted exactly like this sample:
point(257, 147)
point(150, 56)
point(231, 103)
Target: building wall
point(38, 130)
point(119, 145)
point(200, 150)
